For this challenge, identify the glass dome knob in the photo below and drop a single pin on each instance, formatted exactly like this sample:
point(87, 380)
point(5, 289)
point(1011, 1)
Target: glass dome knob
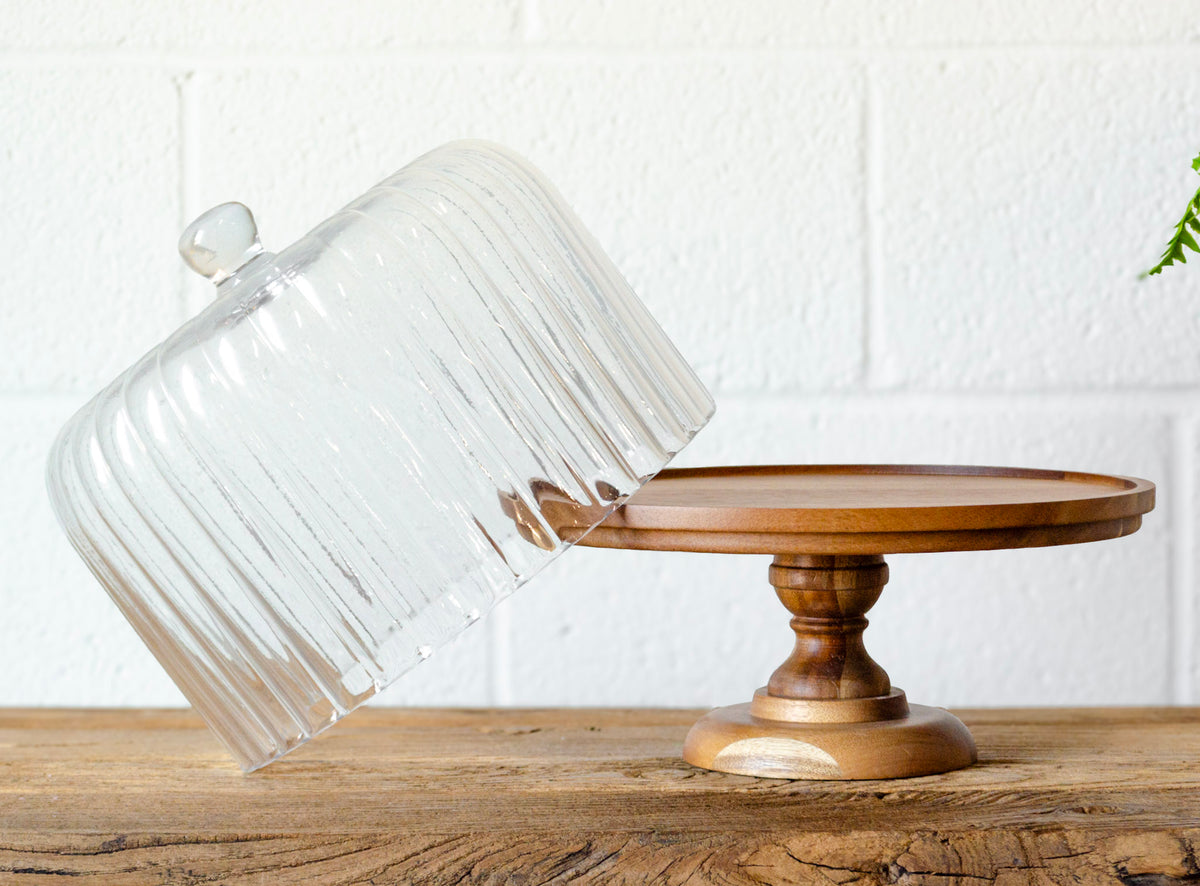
point(218, 243)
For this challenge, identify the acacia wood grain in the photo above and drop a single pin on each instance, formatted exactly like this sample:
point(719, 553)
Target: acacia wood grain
point(828, 527)
point(586, 796)
point(865, 509)
point(828, 598)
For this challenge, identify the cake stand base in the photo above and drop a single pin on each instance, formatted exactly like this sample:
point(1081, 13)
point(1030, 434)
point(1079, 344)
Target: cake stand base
point(819, 743)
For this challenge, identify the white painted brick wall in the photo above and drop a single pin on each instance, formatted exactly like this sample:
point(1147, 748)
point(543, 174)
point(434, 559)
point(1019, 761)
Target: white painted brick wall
point(900, 231)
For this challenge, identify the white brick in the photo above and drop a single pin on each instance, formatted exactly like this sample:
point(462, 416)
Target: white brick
point(1020, 199)
point(458, 675)
point(862, 23)
point(266, 25)
point(1046, 626)
point(1021, 191)
point(729, 194)
point(628, 628)
point(64, 642)
point(90, 218)
point(1047, 432)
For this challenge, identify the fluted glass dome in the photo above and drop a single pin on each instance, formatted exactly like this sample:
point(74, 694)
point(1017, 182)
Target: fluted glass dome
point(366, 440)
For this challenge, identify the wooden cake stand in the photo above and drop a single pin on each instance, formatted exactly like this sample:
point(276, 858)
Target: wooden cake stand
point(830, 710)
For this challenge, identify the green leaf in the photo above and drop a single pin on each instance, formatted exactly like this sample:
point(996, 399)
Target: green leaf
point(1182, 238)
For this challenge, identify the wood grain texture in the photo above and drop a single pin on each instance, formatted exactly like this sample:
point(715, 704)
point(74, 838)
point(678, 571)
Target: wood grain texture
point(828, 598)
point(829, 711)
point(439, 797)
point(865, 509)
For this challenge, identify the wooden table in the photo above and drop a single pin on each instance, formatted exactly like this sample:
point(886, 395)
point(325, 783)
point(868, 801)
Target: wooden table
point(587, 796)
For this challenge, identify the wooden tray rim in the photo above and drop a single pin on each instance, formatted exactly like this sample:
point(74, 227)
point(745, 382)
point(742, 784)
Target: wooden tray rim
point(1118, 498)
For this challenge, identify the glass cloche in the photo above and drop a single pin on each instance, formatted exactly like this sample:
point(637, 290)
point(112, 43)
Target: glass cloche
point(352, 453)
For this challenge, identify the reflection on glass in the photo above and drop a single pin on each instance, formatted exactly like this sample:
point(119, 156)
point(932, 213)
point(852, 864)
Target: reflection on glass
point(367, 440)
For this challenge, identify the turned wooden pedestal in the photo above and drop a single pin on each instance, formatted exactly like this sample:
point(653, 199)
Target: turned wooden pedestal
point(830, 711)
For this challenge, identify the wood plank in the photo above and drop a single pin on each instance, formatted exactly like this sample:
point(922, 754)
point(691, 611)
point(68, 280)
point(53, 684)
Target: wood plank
point(590, 796)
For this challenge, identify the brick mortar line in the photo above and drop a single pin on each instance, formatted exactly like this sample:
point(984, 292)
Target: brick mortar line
point(874, 348)
point(454, 53)
point(1183, 538)
point(1139, 400)
point(500, 655)
point(1166, 402)
point(186, 183)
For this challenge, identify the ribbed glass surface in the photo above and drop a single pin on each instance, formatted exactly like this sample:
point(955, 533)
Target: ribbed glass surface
point(347, 458)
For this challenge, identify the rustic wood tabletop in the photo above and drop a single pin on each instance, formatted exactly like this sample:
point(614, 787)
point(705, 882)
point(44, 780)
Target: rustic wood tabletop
point(591, 796)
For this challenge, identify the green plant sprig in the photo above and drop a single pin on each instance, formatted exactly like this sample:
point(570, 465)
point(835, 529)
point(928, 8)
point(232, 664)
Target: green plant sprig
point(1182, 237)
